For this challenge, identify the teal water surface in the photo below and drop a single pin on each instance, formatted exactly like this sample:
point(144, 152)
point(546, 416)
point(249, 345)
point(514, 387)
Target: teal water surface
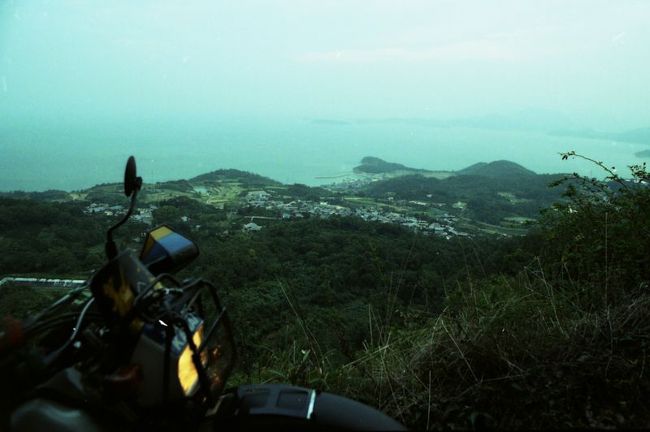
point(72, 156)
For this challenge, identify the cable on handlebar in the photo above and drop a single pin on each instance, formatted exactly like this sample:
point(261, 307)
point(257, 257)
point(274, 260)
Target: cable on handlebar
point(51, 358)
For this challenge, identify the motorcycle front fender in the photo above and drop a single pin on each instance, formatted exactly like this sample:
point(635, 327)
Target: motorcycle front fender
point(297, 408)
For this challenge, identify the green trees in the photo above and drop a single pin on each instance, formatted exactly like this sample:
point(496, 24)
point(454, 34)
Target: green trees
point(600, 234)
point(331, 270)
point(483, 194)
point(48, 237)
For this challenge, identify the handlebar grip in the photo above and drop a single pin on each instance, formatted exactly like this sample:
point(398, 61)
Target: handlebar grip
point(13, 336)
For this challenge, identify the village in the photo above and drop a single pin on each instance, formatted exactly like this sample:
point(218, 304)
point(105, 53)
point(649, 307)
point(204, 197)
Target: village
point(144, 215)
point(286, 208)
point(296, 209)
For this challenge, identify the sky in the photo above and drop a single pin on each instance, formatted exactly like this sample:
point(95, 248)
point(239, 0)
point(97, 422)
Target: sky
point(327, 58)
point(86, 62)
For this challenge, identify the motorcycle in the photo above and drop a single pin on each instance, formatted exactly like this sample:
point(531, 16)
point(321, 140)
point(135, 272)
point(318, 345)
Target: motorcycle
point(135, 348)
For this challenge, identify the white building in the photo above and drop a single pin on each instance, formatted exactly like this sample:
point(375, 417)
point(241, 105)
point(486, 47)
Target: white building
point(251, 226)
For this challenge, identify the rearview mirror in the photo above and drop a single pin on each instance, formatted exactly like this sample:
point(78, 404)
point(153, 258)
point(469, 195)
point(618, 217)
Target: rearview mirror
point(132, 182)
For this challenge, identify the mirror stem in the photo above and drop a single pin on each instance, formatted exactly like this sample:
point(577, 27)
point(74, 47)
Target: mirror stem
point(111, 247)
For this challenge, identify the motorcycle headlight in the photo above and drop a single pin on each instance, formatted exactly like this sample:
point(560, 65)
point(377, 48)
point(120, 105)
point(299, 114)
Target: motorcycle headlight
point(166, 356)
point(189, 356)
point(188, 376)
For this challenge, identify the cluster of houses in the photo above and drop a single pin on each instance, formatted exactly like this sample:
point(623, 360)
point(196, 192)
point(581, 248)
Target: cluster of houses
point(350, 184)
point(144, 215)
point(299, 209)
point(103, 208)
point(296, 209)
point(443, 227)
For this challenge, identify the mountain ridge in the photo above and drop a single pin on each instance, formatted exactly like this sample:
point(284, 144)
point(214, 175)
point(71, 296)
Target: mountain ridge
point(370, 166)
point(499, 168)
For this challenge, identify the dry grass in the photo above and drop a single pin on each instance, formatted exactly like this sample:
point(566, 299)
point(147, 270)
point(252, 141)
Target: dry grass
point(510, 354)
point(507, 353)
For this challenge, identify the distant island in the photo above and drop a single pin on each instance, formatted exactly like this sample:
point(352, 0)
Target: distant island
point(544, 121)
point(638, 136)
point(643, 154)
point(374, 165)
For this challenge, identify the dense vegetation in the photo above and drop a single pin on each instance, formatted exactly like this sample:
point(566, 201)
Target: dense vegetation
point(49, 195)
point(489, 198)
point(561, 344)
point(548, 330)
point(333, 271)
point(59, 238)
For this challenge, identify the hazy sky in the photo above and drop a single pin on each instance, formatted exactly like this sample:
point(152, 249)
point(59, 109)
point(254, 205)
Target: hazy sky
point(588, 59)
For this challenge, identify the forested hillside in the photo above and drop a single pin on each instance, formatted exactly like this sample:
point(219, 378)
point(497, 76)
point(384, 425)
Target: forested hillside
point(488, 198)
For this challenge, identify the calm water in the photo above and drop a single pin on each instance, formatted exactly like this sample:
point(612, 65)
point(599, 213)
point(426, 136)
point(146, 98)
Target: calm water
point(74, 155)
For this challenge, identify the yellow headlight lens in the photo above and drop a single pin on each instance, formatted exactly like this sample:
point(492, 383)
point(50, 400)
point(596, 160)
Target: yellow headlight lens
point(187, 374)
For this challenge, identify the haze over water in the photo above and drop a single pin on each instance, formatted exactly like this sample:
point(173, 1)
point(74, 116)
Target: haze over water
point(296, 90)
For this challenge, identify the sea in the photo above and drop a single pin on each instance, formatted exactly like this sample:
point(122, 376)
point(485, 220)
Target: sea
point(68, 155)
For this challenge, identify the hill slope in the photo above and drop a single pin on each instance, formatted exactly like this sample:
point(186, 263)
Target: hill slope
point(244, 177)
point(501, 168)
